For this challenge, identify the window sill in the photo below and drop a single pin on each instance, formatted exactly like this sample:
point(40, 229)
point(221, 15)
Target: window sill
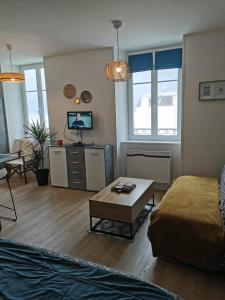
point(152, 142)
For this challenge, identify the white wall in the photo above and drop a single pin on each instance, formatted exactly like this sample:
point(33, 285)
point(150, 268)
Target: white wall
point(121, 115)
point(203, 122)
point(13, 109)
point(86, 71)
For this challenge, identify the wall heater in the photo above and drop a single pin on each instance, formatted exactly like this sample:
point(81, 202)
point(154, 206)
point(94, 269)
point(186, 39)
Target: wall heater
point(154, 165)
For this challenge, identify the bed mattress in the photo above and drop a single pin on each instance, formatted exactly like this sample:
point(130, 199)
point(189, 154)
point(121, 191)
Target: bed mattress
point(31, 273)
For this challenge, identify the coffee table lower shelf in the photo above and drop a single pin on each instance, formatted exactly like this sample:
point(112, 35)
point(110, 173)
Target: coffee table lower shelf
point(132, 227)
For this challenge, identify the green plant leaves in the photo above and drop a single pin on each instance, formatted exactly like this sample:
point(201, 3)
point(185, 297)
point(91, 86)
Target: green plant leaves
point(41, 134)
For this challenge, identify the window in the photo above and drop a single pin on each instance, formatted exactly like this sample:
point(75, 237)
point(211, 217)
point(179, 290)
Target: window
point(154, 98)
point(167, 102)
point(142, 106)
point(34, 94)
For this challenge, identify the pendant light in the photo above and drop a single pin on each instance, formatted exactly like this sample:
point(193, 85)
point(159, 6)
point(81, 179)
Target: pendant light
point(11, 77)
point(117, 70)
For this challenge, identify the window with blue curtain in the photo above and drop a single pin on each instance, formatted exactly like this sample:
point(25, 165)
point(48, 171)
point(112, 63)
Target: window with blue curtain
point(154, 95)
point(166, 59)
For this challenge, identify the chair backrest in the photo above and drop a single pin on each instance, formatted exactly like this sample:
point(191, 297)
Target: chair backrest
point(26, 147)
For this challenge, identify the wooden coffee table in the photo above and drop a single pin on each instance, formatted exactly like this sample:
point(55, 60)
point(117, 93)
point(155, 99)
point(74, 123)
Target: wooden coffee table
point(121, 207)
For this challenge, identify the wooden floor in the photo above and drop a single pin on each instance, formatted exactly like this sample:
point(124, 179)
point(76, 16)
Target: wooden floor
point(57, 219)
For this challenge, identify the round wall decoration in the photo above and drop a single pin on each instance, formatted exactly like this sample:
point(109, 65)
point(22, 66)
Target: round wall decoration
point(69, 91)
point(77, 100)
point(86, 96)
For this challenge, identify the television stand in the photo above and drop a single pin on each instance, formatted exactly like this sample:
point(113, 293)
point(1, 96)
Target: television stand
point(79, 144)
point(82, 167)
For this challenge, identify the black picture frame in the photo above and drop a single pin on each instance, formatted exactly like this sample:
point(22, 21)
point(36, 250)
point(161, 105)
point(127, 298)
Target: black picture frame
point(212, 90)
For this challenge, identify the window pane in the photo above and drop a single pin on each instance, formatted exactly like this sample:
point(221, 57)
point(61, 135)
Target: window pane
point(142, 77)
point(32, 107)
point(45, 105)
point(167, 108)
point(169, 74)
point(142, 109)
point(43, 85)
point(30, 80)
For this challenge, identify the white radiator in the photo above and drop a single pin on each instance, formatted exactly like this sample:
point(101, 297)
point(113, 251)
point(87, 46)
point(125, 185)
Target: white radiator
point(155, 165)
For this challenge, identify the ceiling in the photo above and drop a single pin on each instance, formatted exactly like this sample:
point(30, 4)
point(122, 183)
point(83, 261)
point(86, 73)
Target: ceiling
point(38, 28)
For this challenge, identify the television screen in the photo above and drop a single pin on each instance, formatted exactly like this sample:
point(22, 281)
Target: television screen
point(79, 120)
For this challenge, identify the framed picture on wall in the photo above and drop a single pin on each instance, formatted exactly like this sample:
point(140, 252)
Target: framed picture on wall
point(212, 90)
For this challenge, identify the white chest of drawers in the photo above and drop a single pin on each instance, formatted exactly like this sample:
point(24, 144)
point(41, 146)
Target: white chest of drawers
point(83, 168)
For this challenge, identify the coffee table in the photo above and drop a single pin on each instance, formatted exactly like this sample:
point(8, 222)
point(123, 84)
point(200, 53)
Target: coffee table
point(121, 207)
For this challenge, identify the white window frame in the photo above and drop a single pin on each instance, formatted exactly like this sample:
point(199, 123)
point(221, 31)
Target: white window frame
point(154, 107)
point(37, 68)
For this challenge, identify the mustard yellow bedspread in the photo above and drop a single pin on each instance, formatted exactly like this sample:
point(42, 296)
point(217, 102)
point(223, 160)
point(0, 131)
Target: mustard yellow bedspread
point(188, 224)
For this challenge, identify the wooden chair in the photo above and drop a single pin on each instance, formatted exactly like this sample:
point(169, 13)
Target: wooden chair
point(21, 165)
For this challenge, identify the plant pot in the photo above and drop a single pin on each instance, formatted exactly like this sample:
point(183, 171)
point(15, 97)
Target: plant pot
point(42, 176)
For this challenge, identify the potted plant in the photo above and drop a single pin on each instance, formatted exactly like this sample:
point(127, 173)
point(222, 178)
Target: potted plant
point(41, 134)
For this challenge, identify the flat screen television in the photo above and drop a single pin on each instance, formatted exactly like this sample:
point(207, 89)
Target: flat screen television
point(80, 120)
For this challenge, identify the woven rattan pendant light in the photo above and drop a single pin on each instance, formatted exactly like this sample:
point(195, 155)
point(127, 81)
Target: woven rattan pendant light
point(117, 70)
point(11, 77)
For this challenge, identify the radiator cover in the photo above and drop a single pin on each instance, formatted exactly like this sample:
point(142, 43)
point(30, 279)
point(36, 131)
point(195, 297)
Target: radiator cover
point(155, 165)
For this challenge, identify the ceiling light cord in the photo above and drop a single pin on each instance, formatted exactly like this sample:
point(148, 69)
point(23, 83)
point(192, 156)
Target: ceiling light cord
point(9, 48)
point(10, 58)
point(117, 39)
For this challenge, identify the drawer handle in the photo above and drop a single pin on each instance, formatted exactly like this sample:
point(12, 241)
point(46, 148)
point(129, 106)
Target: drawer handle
point(76, 182)
point(94, 153)
point(75, 172)
point(75, 162)
point(57, 151)
point(75, 152)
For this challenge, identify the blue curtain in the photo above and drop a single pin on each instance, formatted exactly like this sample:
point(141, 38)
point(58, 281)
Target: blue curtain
point(168, 59)
point(140, 62)
point(4, 145)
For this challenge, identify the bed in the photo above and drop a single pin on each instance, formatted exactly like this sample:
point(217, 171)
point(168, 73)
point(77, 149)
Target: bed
point(28, 272)
point(188, 224)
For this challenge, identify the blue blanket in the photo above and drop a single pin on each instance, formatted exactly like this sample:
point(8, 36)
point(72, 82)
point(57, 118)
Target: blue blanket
point(31, 273)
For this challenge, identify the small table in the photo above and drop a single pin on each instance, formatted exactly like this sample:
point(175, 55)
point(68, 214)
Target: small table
point(4, 158)
point(121, 207)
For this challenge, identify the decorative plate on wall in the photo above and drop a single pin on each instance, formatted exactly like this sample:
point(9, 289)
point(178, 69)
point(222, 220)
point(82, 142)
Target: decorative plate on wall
point(69, 91)
point(86, 96)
